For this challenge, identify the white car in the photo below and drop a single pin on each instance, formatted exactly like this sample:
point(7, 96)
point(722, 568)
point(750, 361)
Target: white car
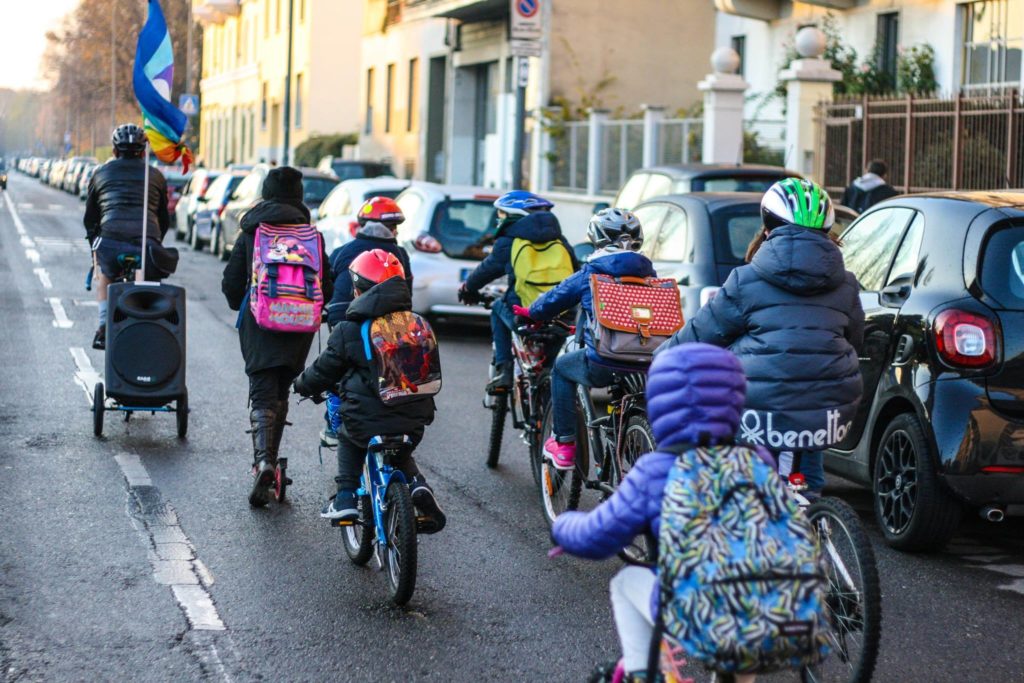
point(337, 217)
point(448, 231)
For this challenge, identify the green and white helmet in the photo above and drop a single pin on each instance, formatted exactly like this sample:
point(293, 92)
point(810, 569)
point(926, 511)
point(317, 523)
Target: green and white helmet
point(795, 201)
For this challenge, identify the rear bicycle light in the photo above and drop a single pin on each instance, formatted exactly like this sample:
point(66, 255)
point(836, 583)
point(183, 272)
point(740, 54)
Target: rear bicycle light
point(966, 340)
point(426, 243)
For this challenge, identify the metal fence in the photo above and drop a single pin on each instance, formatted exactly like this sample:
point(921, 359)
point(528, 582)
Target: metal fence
point(568, 157)
point(680, 141)
point(622, 146)
point(968, 142)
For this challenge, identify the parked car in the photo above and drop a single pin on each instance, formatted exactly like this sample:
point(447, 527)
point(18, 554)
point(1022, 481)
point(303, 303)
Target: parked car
point(447, 231)
point(73, 173)
point(188, 203)
point(316, 185)
point(351, 169)
point(175, 182)
point(56, 175)
point(3, 174)
point(337, 216)
point(83, 180)
point(206, 223)
point(656, 181)
point(940, 428)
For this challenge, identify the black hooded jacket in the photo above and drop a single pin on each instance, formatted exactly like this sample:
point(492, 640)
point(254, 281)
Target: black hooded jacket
point(263, 349)
point(793, 317)
point(114, 204)
point(344, 365)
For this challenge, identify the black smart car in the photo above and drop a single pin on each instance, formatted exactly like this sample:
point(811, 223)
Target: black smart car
point(940, 429)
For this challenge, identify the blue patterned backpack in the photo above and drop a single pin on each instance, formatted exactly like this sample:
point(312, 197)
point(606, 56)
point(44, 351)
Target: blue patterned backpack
point(742, 577)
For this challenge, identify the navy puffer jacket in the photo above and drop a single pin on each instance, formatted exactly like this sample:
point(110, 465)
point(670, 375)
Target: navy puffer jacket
point(693, 390)
point(794, 319)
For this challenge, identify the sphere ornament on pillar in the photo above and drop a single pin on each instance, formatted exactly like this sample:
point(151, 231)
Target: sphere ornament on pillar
point(810, 42)
point(725, 60)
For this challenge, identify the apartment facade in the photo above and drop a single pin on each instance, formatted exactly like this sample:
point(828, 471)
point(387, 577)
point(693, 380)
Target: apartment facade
point(444, 70)
point(244, 74)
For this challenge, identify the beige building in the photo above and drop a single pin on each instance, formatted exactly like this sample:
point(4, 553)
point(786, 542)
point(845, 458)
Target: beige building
point(244, 70)
point(443, 71)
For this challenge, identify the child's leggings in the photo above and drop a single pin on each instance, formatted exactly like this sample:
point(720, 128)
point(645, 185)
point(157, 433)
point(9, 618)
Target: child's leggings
point(631, 591)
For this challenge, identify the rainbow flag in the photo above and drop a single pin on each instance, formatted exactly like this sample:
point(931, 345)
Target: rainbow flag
point(152, 77)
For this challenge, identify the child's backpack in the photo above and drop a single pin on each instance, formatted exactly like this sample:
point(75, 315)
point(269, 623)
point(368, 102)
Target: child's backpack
point(742, 577)
point(286, 294)
point(633, 316)
point(538, 266)
point(403, 348)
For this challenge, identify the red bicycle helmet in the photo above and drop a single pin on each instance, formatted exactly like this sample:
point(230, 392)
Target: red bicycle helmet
point(382, 210)
point(374, 267)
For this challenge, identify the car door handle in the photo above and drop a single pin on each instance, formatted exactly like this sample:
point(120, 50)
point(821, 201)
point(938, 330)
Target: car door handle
point(895, 294)
point(904, 350)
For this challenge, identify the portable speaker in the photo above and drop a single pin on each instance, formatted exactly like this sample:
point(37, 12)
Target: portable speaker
point(145, 362)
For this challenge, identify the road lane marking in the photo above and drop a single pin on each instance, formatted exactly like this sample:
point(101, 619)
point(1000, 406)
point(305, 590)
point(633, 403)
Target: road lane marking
point(27, 242)
point(18, 225)
point(85, 376)
point(56, 207)
point(60, 316)
point(32, 255)
point(44, 277)
point(26, 206)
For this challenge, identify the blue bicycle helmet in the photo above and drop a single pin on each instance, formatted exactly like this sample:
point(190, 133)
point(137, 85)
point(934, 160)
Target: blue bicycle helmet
point(521, 202)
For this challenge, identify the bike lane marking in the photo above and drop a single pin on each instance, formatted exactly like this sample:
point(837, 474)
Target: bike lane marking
point(60, 316)
point(44, 277)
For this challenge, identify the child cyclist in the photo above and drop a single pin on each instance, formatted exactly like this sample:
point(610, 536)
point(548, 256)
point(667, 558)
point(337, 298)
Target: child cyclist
point(617, 235)
point(793, 317)
point(378, 219)
point(694, 394)
point(379, 287)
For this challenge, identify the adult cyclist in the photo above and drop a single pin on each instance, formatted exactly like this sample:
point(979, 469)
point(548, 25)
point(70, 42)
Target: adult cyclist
point(525, 216)
point(793, 317)
point(113, 213)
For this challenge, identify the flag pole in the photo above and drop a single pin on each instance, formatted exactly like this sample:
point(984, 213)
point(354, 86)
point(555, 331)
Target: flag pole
point(140, 275)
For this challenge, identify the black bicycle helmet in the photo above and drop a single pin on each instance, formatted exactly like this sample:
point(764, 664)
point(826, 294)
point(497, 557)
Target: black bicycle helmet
point(615, 228)
point(129, 139)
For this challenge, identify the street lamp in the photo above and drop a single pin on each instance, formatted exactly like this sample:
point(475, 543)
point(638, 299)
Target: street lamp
point(288, 88)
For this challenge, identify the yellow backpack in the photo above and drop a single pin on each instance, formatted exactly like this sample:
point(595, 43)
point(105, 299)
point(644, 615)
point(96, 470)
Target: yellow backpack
point(538, 266)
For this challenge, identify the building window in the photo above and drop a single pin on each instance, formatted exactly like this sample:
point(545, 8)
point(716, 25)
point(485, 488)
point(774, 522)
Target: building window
point(263, 108)
point(887, 39)
point(252, 133)
point(277, 17)
point(266, 18)
point(298, 101)
point(991, 43)
point(302, 10)
point(243, 137)
point(389, 102)
point(369, 100)
point(739, 44)
point(413, 119)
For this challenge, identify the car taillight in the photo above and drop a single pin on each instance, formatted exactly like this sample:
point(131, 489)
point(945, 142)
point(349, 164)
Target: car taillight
point(427, 244)
point(707, 294)
point(965, 339)
point(353, 227)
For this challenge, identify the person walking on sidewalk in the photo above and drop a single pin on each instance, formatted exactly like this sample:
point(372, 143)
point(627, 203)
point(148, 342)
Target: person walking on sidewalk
point(870, 188)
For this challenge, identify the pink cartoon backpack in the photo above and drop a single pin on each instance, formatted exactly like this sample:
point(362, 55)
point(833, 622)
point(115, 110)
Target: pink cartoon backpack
point(286, 294)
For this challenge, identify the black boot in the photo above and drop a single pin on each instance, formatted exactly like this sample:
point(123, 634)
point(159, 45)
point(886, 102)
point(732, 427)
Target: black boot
point(502, 380)
point(280, 421)
point(262, 422)
point(99, 340)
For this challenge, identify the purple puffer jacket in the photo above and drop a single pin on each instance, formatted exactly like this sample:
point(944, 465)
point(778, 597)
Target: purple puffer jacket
point(692, 390)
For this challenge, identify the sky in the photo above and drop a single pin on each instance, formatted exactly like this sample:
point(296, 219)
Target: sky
point(23, 27)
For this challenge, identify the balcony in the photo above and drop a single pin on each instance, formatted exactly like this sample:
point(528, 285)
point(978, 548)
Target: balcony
point(463, 10)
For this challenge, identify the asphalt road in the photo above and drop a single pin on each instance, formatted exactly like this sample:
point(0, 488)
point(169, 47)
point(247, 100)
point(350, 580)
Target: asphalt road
point(136, 556)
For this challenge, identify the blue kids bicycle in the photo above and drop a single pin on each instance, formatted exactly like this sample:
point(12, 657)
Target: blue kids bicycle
point(387, 524)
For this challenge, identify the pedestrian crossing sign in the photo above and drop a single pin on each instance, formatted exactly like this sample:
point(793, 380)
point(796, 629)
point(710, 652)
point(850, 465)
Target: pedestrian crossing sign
point(188, 104)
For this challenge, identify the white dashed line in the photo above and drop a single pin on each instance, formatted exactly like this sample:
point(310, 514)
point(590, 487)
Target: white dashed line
point(32, 255)
point(85, 376)
point(27, 242)
point(44, 277)
point(60, 316)
point(25, 206)
point(18, 225)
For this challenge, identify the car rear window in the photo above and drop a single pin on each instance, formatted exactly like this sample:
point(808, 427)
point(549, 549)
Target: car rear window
point(733, 228)
point(315, 189)
point(350, 171)
point(1002, 268)
point(391, 194)
point(734, 184)
point(462, 226)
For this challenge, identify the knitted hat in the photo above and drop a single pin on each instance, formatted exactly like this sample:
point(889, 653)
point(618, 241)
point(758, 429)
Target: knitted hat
point(283, 184)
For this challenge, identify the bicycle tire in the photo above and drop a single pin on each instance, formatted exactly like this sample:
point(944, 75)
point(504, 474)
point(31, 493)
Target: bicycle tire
point(181, 414)
point(358, 538)
point(637, 441)
point(98, 409)
point(400, 537)
point(543, 416)
point(835, 668)
point(498, 414)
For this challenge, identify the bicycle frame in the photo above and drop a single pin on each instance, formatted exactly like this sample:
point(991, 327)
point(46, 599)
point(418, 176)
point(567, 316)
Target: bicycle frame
point(604, 433)
point(377, 476)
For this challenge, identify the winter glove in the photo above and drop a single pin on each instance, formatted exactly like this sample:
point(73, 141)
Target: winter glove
point(468, 297)
point(521, 311)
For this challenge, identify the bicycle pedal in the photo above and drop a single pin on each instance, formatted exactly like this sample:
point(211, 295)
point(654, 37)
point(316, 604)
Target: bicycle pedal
point(288, 480)
point(344, 522)
point(425, 525)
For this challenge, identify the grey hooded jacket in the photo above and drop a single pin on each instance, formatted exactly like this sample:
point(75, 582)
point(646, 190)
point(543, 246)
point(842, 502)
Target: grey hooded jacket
point(793, 317)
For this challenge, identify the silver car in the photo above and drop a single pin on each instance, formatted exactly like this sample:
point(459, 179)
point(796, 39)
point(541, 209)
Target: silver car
point(448, 230)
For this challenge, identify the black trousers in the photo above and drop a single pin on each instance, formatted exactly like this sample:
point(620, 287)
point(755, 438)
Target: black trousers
point(269, 387)
point(351, 456)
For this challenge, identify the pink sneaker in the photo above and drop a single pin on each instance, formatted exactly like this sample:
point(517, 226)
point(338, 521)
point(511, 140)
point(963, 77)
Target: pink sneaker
point(561, 455)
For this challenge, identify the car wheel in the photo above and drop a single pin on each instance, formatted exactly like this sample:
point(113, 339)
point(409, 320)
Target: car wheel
point(194, 240)
point(912, 505)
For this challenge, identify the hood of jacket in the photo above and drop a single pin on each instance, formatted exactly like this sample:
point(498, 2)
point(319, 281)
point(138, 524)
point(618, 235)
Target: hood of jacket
point(800, 261)
point(273, 212)
point(695, 390)
point(376, 230)
point(387, 297)
point(868, 182)
point(540, 226)
point(619, 263)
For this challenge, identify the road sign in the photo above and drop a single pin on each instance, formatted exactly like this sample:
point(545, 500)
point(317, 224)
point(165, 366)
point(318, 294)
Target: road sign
point(188, 104)
point(524, 48)
point(526, 19)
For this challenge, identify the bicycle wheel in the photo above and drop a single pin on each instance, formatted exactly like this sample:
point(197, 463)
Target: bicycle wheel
point(400, 535)
point(637, 441)
point(542, 427)
point(98, 408)
point(358, 538)
point(854, 598)
point(498, 414)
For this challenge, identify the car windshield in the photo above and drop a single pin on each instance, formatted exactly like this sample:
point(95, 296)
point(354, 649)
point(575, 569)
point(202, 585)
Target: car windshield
point(391, 194)
point(315, 189)
point(745, 183)
point(463, 226)
point(1002, 268)
point(733, 227)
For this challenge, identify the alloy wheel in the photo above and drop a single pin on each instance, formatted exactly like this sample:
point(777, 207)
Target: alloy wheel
point(897, 482)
